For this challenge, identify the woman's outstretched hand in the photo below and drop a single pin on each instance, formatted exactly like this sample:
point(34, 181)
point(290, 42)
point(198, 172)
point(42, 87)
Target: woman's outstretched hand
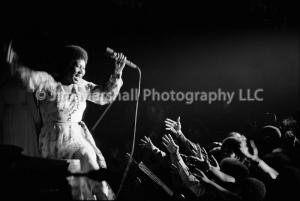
point(12, 59)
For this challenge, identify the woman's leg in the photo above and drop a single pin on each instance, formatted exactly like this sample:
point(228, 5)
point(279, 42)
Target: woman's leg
point(101, 189)
point(88, 159)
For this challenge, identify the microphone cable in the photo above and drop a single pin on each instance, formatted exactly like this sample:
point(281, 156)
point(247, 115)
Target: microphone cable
point(101, 117)
point(134, 131)
point(134, 137)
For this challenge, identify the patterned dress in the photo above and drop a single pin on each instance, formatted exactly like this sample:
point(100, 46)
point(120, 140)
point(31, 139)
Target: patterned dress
point(64, 135)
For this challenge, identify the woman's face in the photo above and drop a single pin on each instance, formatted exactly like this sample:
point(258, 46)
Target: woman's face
point(77, 71)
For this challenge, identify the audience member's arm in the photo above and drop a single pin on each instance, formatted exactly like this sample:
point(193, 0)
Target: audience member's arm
point(263, 166)
point(221, 176)
point(148, 144)
point(221, 191)
point(212, 165)
point(159, 156)
point(175, 128)
point(186, 176)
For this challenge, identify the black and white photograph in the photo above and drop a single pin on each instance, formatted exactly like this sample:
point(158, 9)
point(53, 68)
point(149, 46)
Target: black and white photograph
point(150, 100)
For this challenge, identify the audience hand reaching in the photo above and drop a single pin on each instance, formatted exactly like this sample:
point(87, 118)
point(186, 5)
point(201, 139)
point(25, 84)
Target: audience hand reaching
point(174, 126)
point(199, 153)
point(147, 143)
point(213, 163)
point(245, 151)
point(170, 145)
point(202, 155)
point(203, 176)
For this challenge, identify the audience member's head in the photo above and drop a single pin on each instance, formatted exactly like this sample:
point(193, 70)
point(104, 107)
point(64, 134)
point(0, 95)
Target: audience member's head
point(291, 177)
point(251, 189)
point(270, 138)
point(270, 118)
point(290, 140)
point(234, 168)
point(231, 147)
point(237, 135)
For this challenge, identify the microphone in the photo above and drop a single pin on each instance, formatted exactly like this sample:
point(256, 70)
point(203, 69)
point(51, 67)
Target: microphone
point(113, 55)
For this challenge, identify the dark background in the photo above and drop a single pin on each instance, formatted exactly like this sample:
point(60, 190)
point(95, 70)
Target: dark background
point(181, 46)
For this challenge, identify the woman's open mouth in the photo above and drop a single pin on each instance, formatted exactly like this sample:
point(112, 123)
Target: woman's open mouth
point(77, 77)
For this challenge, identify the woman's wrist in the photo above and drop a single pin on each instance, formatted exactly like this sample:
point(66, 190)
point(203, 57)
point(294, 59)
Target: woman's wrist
point(117, 74)
point(118, 70)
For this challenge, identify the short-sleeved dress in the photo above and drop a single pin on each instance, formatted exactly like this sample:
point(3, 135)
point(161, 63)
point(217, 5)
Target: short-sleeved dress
point(64, 135)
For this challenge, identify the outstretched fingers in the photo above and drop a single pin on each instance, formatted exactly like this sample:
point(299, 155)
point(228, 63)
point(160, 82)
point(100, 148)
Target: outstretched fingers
point(170, 121)
point(143, 141)
point(170, 129)
point(170, 125)
point(215, 162)
point(165, 141)
point(204, 153)
point(254, 148)
point(171, 139)
point(178, 120)
point(147, 139)
point(199, 153)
